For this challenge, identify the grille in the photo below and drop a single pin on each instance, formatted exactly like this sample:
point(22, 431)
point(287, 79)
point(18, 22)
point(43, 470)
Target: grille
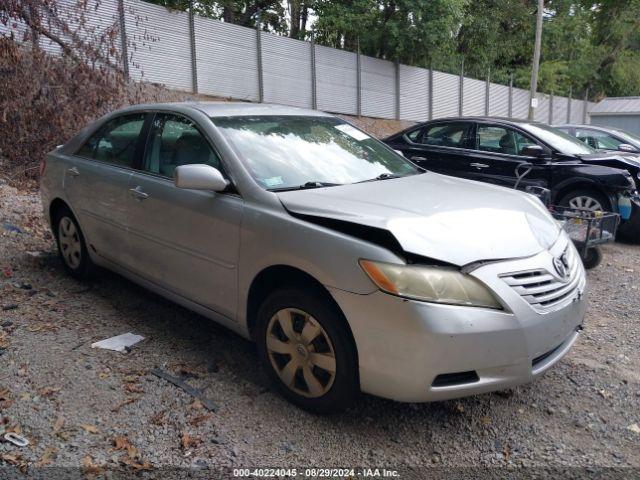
point(543, 290)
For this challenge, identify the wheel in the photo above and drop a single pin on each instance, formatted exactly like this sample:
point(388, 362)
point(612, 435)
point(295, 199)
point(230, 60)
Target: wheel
point(72, 247)
point(586, 200)
point(592, 258)
point(306, 348)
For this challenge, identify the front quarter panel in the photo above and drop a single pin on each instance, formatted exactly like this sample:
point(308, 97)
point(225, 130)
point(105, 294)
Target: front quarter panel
point(271, 236)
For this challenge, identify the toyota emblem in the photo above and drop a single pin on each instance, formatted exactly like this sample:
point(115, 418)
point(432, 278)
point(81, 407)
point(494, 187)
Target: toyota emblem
point(560, 267)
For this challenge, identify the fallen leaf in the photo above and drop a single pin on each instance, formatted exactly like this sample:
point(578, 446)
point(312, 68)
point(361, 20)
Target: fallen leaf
point(604, 393)
point(58, 425)
point(158, 418)
point(46, 457)
point(136, 465)
point(459, 407)
point(104, 375)
point(131, 379)
point(196, 405)
point(4, 394)
point(634, 428)
point(48, 391)
point(89, 428)
point(485, 420)
point(123, 404)
point(188, 441)
point(13, 459)
point(132, 388)
point(90, 468)
point(197, 421)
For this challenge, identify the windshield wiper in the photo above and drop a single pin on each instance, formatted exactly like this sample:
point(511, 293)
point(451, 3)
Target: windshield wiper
point(306, 186)
point(388, 176)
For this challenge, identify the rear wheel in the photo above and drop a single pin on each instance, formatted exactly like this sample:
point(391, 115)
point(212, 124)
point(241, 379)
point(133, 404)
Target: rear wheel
point(306, 348)
point(71, 245)
point(586, 200)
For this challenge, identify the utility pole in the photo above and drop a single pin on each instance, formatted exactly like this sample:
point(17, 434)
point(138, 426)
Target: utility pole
point(533, 102)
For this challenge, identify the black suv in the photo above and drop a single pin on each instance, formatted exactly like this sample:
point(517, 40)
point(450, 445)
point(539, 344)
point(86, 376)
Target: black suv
point(497, 150)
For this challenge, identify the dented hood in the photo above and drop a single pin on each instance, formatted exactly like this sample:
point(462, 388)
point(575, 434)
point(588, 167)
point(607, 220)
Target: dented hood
point(444, 218)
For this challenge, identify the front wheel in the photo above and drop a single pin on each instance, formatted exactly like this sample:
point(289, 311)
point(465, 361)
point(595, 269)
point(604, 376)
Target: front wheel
point(306, 348)
point(586, 200)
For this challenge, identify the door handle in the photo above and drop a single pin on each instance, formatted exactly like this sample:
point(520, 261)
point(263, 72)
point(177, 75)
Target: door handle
point(418, 158)
point(138, 193)
point(73, 171)
point(479, 165)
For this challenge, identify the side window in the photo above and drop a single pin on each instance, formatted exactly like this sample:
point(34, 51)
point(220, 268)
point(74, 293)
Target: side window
point(414, 136)
point(447, 135)
point(175, 140)
point(496, 139)
point(596, 139)
point(116, 141)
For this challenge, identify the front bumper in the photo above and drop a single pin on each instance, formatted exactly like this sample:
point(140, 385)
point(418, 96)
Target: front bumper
point(403, 345)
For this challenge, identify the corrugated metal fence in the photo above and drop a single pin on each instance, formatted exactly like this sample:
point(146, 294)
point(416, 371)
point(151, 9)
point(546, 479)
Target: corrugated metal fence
point(200, 55)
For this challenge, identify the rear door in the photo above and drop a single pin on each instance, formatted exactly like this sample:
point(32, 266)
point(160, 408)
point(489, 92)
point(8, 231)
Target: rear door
point(186, 241)
point(497, 157)
point(96, 181)
point(441, 147)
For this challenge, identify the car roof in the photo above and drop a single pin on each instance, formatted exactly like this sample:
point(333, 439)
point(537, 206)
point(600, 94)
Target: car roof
point(506, 120)
point(230, 109)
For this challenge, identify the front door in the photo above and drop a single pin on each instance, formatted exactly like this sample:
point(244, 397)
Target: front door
point(497, 158)
point(186, 241)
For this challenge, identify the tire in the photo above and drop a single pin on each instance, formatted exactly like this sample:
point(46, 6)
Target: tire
point(593, 258)
point(587, 197)
point(72, 247)
point(290, 310)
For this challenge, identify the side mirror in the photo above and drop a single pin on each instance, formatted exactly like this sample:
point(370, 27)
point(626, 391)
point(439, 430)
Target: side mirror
point(535, 151)
point(625, 147)
point(199, 177)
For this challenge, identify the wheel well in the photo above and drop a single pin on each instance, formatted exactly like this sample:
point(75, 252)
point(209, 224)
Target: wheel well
point(56, 205)
point(278, 276)
point(582, 186)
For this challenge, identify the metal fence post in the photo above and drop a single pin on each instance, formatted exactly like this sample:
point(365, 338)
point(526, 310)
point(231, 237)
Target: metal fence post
point(461, 89)
point(123, 39)
point(551, 109)
point(358, 81)
point(397, 113)
point(510, 107)
point(430, 92)
point(486, 93)
point(192, 43)
point(314, 85)
point(259, 57)
point(569, 105)
point(585, 105)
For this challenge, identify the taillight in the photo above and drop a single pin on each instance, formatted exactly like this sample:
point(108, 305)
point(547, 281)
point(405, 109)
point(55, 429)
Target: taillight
point(43, 165)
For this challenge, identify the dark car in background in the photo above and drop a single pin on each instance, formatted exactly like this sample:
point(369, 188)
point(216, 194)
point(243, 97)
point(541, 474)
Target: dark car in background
point(497, 150)
point(604, 138)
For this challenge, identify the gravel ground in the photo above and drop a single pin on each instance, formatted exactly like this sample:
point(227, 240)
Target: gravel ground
point(97, 409)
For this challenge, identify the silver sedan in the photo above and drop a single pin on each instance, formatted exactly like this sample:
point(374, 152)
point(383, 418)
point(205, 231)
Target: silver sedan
point(351, 268)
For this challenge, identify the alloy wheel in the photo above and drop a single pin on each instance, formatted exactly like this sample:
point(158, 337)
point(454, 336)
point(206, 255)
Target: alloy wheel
point(70, 244)
point(585, 203)
point(301, 352)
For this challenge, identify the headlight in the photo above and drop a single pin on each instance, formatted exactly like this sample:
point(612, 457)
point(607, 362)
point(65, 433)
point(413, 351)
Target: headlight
point(430, 284)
